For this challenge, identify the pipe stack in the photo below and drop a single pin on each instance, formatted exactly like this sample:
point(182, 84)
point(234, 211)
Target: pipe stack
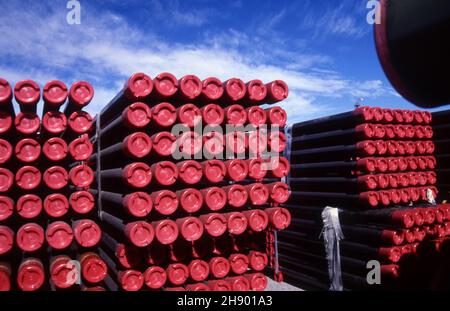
point(48, 232)
point(190, 209)
point(378, 167)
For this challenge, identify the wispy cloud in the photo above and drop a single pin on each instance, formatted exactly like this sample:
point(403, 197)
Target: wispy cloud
point(173, 12)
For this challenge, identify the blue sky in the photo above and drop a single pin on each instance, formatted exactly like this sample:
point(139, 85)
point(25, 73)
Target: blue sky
point(323, 49)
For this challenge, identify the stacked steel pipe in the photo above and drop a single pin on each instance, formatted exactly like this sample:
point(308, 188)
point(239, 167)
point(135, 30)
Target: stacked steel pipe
point(199, 221)
point(377, 167)
point(48, 232)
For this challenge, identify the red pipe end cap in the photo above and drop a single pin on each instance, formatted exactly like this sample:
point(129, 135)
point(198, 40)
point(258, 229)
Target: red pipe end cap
point(259, 220)
point(219, 267)
point(256, 116)
point(258, 281)
point(29, 206)
point(56, 205)
point(385, 197)
point(381, 147)
point(219, 286)
point(189, 115)
point(94, 269)
point(236, 142)
point(235, 89)
point(405, 180)
point(199, 287)
point(30, 237)
point(5, 281)
point(82, 202)
point(258, 261)
point(257, 91)
point(277, 142)
point(393, 254)
point(163, 143)
point(54, 122)
point(409, 131)
point(384, 181)
point(190, 86)
point(212, 89)
point(371, 198)
point(388, 115)
point(6, 179)
point(276, 116)
point(81, 93)
point(164, 115)
point(80, 122)
point(5, 91)
point(214, 171)
point(189, 144)
point(374, 164)
point(55, 149)
point(280, 167)
point(55, 93)
point(138, 86)
point(190, 172)
point(81, 148)
point(239, 284)
point(213, 114)
point(27, 123)
point(177, 273)
point(418, 117)
point(56, 177)
point(257, 169)
point(280, 218)
point(31, 276)
point(365, 112)
point(279, 192)
point(165, 202)
point(6, 208)
point(6, 239)
point(198, 270)
point(27, 92)
point(137, 115)
point(6, 122)
point(191, 228)
point(138, 145)
point(215, 198)
point(87, 233)
point(393, 237)
point(215, 224)
point(27, 150)
point(131, 280)
point(59, 235)
point(277, 91)
point(237, 223)
point(378, 114)
point(238, 263)
point(395, 196)
point(409, 236)
point(412, 163)
point(408, 116)
point(259, 193)
point(166, 231)
point(140, 233)
point(165, 84)
point(257, 143)
point(155, 277)
point(390, 131)
point(138, 204)
point(28, 177)
point(237, 195)
point(191, 200)
point(138, 175)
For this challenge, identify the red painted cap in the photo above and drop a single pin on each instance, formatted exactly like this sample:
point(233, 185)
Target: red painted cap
point(256, 116)
point(279, 218)
point(6, 239)
point(55, 93)
point(54, 122)
point(402, 164)
point(6, 179)
point(81, 93)
point(276, 116)
point(30, 275)
point(219, 285)
point(56, 177)
point(199, 287)
point(81, 148)
point(93, 268)
point(30, 237)
point(80, 122)
point(277, 142)
point(429, 147)
point(27, 150)
point(430, 216)
point(236, 115)
point(138, 204)
point(418, 117)
point(381, 147)
point(189, 144)
point(140, 233)
point(419, 217)
point(212, 89)
point(393, 180)
point(258, 281)
point(27, 92)
point(403, 218)
point(189, 115)
point(419, 131)
point(378, 114)
point(139, 86)
point(279, 192)
point(237, 169)
point(257, 169)
point(137, 175)
point(404, 180)
point(402, 148)
point(404, 196)
point(392, 147)
point(375, 164)
point(256, 91)
point(137, 115)
point(259, 193)
point(6, 208)
point(257, 143)
point(164, 115)
point(191, 228)
point(56, 205)
point(371, 198)
point(28, 177)
point(414, 194)
point(258, 261)
point(165, 85)
point(215, 198)
point(5, 92)
point(213, 114)
point(87, 233)
point(393, 237)
point(388, 115)
point(427, 117)
point(393, 254)
point(219, 267)
point(131, 280)
point(400, 131)
point(258, 220)
point(428, 132)
point(410, 131)
point(238, 263)
point(27, 123)
point(236, 142)
point(29, 206)
point(237, 195)
point(190, 87)
point(177, 273)
point(379, 131)
point(365, 131)
point(390, 131)
point(408, 116)
point(82, 202)
point(237, 223)
point(6, 122)
point(129, 256)
point(412, 162)
point(55, 149)
point(198, 270)
point(213, 144)
point(239, 283)
point(165, 202)
point(137, 145)
point(215, 224)
point(191, 200)
point(277, 91)
point(166, 231)
point(165, 173)
point(5, 278)
point(280, 167)
point(409, 236)
point(163, 143)
point(427, 162)
point(365, 112)
point(394, 196)
point(59, 235)
point(155, 277)
point(385, 197)
point(190, 172)
point(214, 171)
point(235, 89)
point(431, 178)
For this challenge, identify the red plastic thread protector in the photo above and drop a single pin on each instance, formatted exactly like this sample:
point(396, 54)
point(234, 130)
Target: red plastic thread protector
point(258, 220)
point(191, 200)
point(163, 143)
point(276, 116)
point(189, 144)
point(29, 206)
point(55, 149)
point(236, 142)
point(388, 116)
point(392, 164)
point(219, 285)
point(257, 169)
point(369, 182)
point(367, 165)
point(394, 196)
point(401, 131)
point(219, 267)
point(256, 92)
point(259, 193)
point(191, 228)
point(165, 173)
point(279, 192)
point(277, 142)
point(408, 116)
point(214, 171)
point(409, 236)
point(138, 204)
point(165, 85)
point(237, 195)
point(237, 169)
point(212, 89)
point(190, 87)
point(59, 235)
point(80, 122)
point(214, 224)
point(6, 122)
point(139, 233)
point(379, 131)
point(155, 277)
point(166, 231)
point(6, 239)
point(390, 132)
point(30, 237)
point(138, 87)
point(27, 93)
point(393, 180)
point(6, 180)
point(137, 145)
point(257, 143)
point(93, 268)
point(258, 261)
point(418, 117)
point(30, 275)
point(365, 131)
point(237, 223)
point(81, 148)
point(164, 115)
point(279, 218)
point(87, 233)
point(419, 132)
point(213, 144)
point(378, 114)
point(371, 198)
point(214, 198)
point(410, 131)
point(54, 122)
point(137, 116)
point(190, 172)
point(189, 115)
point(5, 278)
point(235, 115)
point(55, 93)
point(213, 114)
point(234, 90)
point(392, 148)
point(239, 283)
point(257, 116)
point(392, 254)
point(137, 175)
point(392, 237)
point(6, 93)
point(56, 205)
point(198, 270)
point(165, 202)
point(258, 281)
point(430, 216)
point(6, 207)
point(398, 115)
point(177, 273)
point(239, 263)
point(27, 123)
point(56, 177)
point(81, 94)
point(198, 287)
point(28, 178)
point(131, 280)
point(277, 91)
